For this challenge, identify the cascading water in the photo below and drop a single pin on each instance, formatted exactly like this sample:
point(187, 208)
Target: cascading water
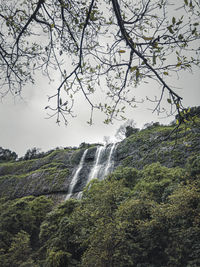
point(110, 161)
point(97, 164)
point(103, 165)
point(75, 177)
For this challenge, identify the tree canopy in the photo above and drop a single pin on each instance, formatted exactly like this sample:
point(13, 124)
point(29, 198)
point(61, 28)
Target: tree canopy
point(110, 45)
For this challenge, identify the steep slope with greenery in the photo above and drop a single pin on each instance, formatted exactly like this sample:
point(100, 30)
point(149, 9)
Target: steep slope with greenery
point(158, 143)
point(51, 173)
point(146, 213)
point(148, 217)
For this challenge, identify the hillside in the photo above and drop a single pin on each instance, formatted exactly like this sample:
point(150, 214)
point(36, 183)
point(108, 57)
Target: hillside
point(52, 174)
point(146, 213)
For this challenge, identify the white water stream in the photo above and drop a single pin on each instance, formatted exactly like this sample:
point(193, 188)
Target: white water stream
point(102, 166)
point(97, 164)
point(110, 161)
point(76, 175)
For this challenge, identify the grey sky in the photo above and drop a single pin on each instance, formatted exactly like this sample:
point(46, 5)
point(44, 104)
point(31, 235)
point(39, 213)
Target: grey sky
point(23, 123)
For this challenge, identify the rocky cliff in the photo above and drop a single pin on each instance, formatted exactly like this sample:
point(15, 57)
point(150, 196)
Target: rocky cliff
point(53, 173)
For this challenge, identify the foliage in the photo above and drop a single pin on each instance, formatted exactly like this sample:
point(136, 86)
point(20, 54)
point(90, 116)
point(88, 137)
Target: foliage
point(33, 153)
point(20, 221)
point(96, 43)
point(57, 238)
point(126, 220)
point(84, 145)
point(128, 175)
point(19, 250)
point(160, 143)
point(157, 181)
point(141, 217)
point(113, 226)
point(7, 155)
point(193, 166)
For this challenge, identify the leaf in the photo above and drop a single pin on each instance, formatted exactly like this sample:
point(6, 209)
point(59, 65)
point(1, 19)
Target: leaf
point(154, 59)
point(133, 68)
point(186, 2)
point(137, 74)
point(173, 20)
point(170, 29)
point(147, 38)
point(194, 31)
point(121, 51)
point(177, 122)
point(169, 100)
point(107, 121)
point(165, 73)
point(179, 22)
point(155, 44)
point(178, 64)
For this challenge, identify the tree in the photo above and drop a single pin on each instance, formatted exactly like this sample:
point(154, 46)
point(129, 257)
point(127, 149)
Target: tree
point(32, 153)
point(7, 155)
point(97, 44)
point(20, 249)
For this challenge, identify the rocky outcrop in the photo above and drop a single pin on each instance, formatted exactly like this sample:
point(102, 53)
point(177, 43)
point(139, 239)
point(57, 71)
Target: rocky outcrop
point(47, 175)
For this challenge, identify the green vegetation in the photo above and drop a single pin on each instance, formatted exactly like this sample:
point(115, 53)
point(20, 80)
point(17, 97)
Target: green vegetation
point(19, 229)
point(147, 217)
point(7, 155)
point(158, 143)
point(36, 176)
point(145, 214)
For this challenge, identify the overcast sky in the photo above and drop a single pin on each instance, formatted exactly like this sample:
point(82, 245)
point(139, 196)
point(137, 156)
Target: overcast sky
point(23, 123)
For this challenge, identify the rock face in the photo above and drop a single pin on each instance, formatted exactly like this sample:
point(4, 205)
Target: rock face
point(37, 177)
point(156, 145)
point(53, 173)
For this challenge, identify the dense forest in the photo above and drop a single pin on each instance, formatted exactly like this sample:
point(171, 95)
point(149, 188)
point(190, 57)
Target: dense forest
point(137, 216)
point(133, 218)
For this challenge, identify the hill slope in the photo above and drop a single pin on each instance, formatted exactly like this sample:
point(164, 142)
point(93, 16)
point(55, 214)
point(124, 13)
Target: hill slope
point(52, 174)
point(146, 213)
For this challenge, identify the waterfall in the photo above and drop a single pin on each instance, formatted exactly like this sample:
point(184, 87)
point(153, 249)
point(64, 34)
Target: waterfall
point(110, 161)
point(102, 166)
point(101, 169)
point(75, 177)
point(97, 164)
